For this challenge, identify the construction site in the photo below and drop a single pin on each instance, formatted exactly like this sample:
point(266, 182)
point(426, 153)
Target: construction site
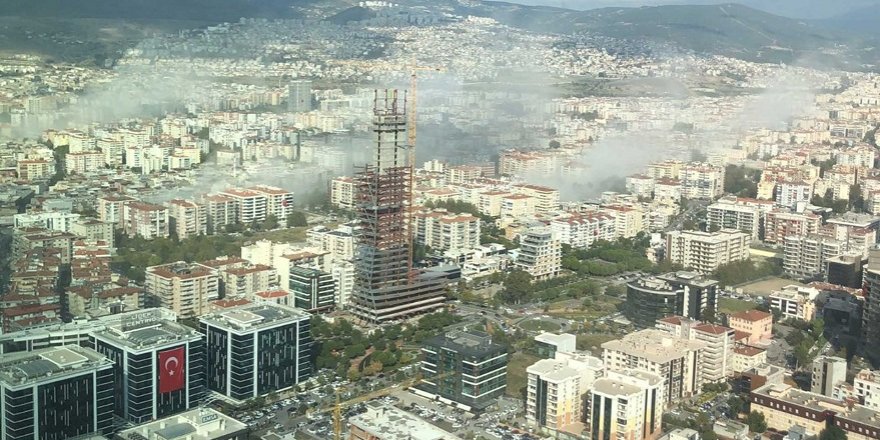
point(387, 286)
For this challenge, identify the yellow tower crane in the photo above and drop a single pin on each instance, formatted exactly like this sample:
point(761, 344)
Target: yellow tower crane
point(413, 108)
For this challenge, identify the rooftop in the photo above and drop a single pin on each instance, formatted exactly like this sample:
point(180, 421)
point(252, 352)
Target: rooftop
point(146, 328)
point(196, 424)
point(654, 345)
point(254, 316)
point(181, 269)
point(614, 387)
point(389, 423)
point(26, 368)
point(751, 315)
point(468, 343)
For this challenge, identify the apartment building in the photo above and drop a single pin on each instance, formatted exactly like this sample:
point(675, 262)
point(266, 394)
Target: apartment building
point(755, 323)
point(795, 302)
point(640, 185)
point(546, 198)
point(517, 206)
point(34, 169)
point(342, 193)
point(677, 360)
point(444, 231)
point(221, 211)
point(779, 224)
point(338, 242)
point(244, 280)
point(728, 214)
point(279, 202)
point(716, 359)
point(187, 218)
point(706, 251)
point(583, 229)
point(184, 288)
point(701, 181)
point(866, 386)
point(627, 405)
point(252, 204)
point(86, 162)
point(792, 193)
point(111, 209)
point(628, 220)
point(828, 372)
point(146, 220)
point(540, 254)
point(807, 256)
point(556, 387)
point(871, 308)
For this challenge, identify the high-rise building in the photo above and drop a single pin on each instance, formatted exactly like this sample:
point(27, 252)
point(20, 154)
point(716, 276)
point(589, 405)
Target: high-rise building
point(730, 213)
point(256, 349)
point(828, 372)
point(676, 360)
point(871, 309)
point(625, 405)
point(55, 394)
point(717, 357)
point(465, 369)
point(556, 388)
point(846, 270)
point(701, 181)
point(806, 256)
point(386, 287)
point(145, 220)
point(677, 293)
point(187, 218)
point(706, 251)
point(313, 290)
point(158, 364)
point(184, 288)
point(299, 96)
point(540, 254)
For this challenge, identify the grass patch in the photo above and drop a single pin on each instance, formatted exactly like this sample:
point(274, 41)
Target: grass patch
point(289, 235)
point(731, 305)
point(539, 325)
point(517, 379)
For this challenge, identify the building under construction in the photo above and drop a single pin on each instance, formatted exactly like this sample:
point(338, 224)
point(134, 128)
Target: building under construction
point(386, 285)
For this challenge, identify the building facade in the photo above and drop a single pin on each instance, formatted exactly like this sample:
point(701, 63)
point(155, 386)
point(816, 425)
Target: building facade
point(706, 251)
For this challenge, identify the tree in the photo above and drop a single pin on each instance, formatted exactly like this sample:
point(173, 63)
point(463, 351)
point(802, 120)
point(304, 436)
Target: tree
point(517, 287)
point(736, 404)
point(757, 422)
point(270, 223)
point(296, 219)
point(832, 433)
point(554, 144)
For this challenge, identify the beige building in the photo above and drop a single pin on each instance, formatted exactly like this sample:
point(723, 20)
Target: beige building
point(540, 254)
point(342, 193)
point(221, 212)
point(184, 288)
point(716, 359)
point(111, 209)
point(706, 251)
point(867, 388)
point(444, 231)
point(86, 162)
point(546, 198)
point(745, 358)
point(757, 324)
point(187, 218)
point(807, 256)
point(243, 281)
point(491, 202)
point(91, 229)
point(556, 387)
point(35, 169)
point(625, 405)
point(145, 220)
point(677, 360)
point(828, 372)
point(701, 181)
point(122, 298)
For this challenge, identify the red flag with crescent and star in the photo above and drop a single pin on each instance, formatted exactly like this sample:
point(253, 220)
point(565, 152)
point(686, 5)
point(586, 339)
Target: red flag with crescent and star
point(172, 370)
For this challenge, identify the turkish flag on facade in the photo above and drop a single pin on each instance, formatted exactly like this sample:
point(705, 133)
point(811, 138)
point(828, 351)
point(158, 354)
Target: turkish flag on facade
point(172, 370)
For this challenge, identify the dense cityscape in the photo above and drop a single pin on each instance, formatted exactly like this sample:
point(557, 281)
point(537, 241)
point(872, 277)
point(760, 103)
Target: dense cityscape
point(400, 222)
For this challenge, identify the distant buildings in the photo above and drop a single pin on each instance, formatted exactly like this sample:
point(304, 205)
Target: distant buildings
point(465, 369)
point(299, 96)
point(706, 251)
point(56, 393)
point(256, 349)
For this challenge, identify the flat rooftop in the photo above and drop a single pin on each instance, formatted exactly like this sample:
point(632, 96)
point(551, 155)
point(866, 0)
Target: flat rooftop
point(28, 368)
point(255, 316)
point(468, 343)
point(143, 329)
point(612, 387)
point(653, 345)
point(196, 424)
point(389, 423)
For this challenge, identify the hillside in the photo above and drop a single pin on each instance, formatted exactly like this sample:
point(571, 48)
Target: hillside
point(200, 10)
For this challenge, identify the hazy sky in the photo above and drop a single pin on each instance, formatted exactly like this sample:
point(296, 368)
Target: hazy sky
point(790, 8)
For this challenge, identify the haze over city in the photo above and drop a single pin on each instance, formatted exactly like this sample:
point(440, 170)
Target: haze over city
point(439, 219)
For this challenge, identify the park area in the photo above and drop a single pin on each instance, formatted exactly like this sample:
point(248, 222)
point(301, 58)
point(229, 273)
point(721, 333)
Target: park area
point(765, 286)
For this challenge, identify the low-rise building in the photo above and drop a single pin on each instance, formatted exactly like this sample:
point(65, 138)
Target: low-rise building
point(197, 424)
point(756, 324)
point(386, 422)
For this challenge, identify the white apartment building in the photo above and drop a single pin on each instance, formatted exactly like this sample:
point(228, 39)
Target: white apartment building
point(701, 181)
point(145, 220)
point(52, 220)
point(790, 194)
point(867, 388)
point(706, 251)
point(716, 361)
point(111, 209)
point(807, 256)
point(828, 372)
point(279, 202)
point(86, 162)
point(725, 215)
point(252, 205)
point(338, 242)
point(582, 230)
point(540, 254)
point(795, 301)
point(677, 360)
point(444, 231)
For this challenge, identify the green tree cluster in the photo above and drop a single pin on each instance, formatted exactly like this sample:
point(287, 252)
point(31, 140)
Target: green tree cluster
point(739, 272)
point(607, 258)
point(757, 422)
point(134, 255)
point(741, 181)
